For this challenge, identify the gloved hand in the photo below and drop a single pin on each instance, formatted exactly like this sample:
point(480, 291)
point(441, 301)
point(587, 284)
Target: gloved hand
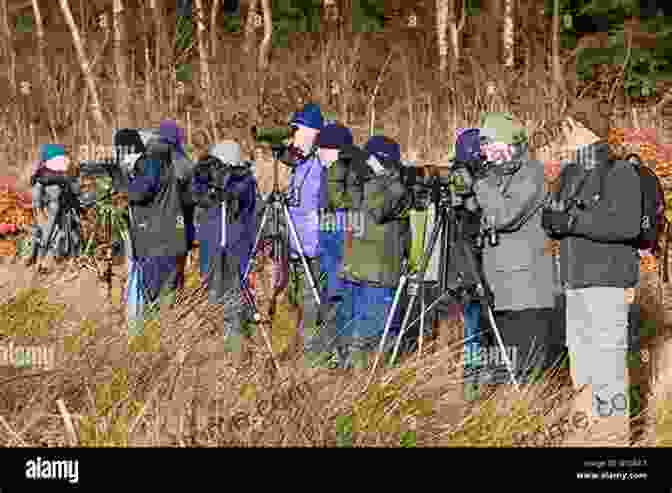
point(557, 223)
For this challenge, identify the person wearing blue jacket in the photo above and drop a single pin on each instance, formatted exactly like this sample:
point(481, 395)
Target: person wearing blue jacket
point(224, 258)
point(307, 188)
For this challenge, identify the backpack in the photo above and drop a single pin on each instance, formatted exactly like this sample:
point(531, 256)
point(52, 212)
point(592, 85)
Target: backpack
point(653, 205)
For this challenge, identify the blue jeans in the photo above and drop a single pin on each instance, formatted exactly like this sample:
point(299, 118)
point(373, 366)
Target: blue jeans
point(472, 339)
point(362, 315)
point(331, 260)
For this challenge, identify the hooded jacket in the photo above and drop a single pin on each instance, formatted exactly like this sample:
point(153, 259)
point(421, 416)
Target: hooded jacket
point(241, 221)
point(518, 270)
point(598, 252)
point(308, 190)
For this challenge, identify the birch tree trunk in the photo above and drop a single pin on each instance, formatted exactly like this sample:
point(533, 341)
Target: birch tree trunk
point(442, 13)
point(558, 80)
point(148, 58)
point(508, 35)
point(202, 48)
point(206, 81)
point(213, 29)
point(120, 51)
point(250, 26)
point(10, 54)
point(158, 46)
point(265, 46)
point(456, 27)
point(84, 64)
point(45, 83)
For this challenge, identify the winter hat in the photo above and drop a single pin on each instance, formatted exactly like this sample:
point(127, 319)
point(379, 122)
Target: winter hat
point(228, 152)
point(309, 116)
point(49, 151)
point(384, 148)
point(172, 134)
point(128, 141)
point(334, 136)
point(501, 128)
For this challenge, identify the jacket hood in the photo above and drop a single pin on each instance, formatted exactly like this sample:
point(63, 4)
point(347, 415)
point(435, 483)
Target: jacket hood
point(228, 152)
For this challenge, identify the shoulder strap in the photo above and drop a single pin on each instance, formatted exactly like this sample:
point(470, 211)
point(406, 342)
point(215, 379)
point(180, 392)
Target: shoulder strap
point(602, 172)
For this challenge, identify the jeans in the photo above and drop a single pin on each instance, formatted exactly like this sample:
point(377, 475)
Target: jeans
point(472, 336)
point(597, 338)
point(331, 259)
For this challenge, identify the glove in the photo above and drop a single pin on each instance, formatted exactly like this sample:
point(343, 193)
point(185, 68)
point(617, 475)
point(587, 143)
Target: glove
point(557, 223)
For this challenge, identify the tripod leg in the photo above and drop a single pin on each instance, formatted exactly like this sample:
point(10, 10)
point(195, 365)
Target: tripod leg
point(424, 263)
point(304, 262)
point(404, 324)
point(390, 318)
point(257, 240)
point(421, 335)
point(509, 366)
point(486, 303)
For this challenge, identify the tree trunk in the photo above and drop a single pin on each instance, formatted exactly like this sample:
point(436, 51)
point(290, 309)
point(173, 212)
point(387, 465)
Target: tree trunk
point(558, 81)
point(508, 35)
point(202, 48)
point(120, 52)
point(265, 46)
point(84, 64)
point(158, 46)
point(45, 83)
point(442, 14)
point(10, 58)
point(250, 26)
point(455, 28)
point(206, 81)
point(213, 29)
point(148, 60)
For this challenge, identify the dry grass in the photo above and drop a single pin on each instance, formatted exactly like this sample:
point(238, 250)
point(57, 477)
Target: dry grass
point(176, 386)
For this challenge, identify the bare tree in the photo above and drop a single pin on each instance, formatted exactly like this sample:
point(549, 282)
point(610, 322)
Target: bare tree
point(159, 37)
point(120, 58)
point(558, 79)
point(265, 46)
point(83, 63)
point(250, 26)
point(442, 11)
point(213, 29)
point(45, 82)
point(456, 27)
point(202, 48)
point(10, 54)
point(508, 34)
point(206, 80)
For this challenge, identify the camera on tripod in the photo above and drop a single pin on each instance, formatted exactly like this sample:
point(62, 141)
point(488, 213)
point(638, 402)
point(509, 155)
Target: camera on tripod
point(278, 138)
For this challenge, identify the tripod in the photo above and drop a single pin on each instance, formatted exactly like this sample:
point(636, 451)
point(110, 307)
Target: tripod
point(275, 209)
point(449, 226)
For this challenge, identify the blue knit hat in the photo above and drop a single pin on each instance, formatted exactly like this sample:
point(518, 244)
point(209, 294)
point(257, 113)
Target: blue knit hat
point(309, 116)
point(49, 151)
point(383, 148)
point(334, 136)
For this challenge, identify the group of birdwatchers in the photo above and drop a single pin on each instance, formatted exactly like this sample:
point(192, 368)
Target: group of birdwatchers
point(359, 232)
